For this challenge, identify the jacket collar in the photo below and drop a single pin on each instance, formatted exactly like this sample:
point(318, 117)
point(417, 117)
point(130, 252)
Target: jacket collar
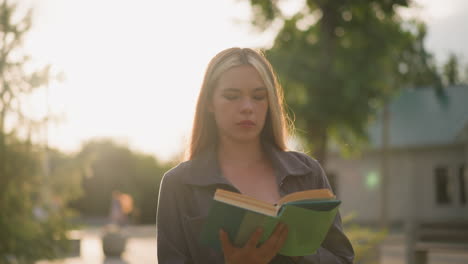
point(205, 170)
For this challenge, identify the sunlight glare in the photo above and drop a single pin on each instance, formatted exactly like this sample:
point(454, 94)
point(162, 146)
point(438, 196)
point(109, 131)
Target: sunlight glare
point(133, 68)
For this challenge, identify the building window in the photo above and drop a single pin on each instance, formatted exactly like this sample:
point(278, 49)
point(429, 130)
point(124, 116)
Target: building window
point(442, 185)
point(461, 184)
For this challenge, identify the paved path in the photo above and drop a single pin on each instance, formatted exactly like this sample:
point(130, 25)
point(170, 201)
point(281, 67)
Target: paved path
point(140, 247)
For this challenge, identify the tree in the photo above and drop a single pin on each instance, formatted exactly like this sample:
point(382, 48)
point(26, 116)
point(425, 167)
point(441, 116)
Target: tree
point(451, 70)
point(33, 212)
point(31, 226)
point(116, 167)
point(15, 82)
point(340, 61)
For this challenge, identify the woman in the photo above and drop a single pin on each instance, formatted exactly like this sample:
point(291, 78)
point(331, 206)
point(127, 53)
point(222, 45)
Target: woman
point(238, 143)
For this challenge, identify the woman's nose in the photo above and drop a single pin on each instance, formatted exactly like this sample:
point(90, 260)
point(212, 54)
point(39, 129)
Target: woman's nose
point(246, 105)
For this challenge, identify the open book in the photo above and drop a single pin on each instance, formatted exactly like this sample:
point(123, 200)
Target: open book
point(308, 215)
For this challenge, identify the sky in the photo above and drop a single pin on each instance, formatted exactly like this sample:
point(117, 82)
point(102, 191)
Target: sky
point(447, 23)
point(133, 69)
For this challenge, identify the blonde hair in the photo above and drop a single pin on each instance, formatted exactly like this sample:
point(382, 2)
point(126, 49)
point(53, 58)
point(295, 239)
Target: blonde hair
point(204, 130)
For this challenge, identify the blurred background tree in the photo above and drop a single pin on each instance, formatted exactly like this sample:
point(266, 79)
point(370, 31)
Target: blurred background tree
point(453, 71)
point(340, 61)
point(33, 212)
point(116, 167)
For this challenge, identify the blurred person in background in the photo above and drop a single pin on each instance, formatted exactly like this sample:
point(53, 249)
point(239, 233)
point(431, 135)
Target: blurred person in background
point(121, 208)
point(126, 202)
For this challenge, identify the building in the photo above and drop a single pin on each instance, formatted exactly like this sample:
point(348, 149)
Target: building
point(427, 161)
point(426, 176)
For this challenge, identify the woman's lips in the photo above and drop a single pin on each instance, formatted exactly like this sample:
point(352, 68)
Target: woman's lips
point(246, 123)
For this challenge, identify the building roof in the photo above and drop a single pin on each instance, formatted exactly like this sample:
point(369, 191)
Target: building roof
point(418, 117)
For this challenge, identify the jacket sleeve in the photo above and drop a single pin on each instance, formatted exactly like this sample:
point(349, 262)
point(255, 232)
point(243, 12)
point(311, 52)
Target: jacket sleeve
point(336, 248)
point(171, 243)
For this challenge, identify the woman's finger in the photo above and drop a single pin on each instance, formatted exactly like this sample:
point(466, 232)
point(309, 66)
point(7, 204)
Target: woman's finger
point(270, 244)
point(225, 243)
point(281, 239)
point(254, 238)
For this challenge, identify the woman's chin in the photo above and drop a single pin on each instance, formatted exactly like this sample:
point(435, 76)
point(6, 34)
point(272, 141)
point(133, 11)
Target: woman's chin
point(246, 139)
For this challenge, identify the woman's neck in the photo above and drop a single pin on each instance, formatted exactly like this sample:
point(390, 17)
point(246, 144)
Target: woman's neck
point(240, 154)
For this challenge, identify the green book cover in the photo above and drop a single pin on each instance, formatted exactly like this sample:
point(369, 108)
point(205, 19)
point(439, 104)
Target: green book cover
point(308, 223)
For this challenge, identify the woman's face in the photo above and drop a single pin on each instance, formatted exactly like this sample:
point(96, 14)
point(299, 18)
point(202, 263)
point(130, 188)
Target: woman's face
point(240, 104)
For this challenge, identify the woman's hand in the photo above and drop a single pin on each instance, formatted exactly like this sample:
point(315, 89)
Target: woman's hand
point(250, 253)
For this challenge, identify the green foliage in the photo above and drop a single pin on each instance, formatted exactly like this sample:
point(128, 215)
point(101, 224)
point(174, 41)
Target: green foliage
point(264, 12)
point(451, 70)
point(15, 80)
point(340, 61)
point(33, 213)
point(116, 167)
point(365, 240)
point(33, 219)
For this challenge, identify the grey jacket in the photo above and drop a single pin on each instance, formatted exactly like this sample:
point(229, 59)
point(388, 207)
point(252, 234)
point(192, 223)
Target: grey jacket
point(187, 191)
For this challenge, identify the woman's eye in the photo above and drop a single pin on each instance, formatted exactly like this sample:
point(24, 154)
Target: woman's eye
point(230, 96)
point(259, 97)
